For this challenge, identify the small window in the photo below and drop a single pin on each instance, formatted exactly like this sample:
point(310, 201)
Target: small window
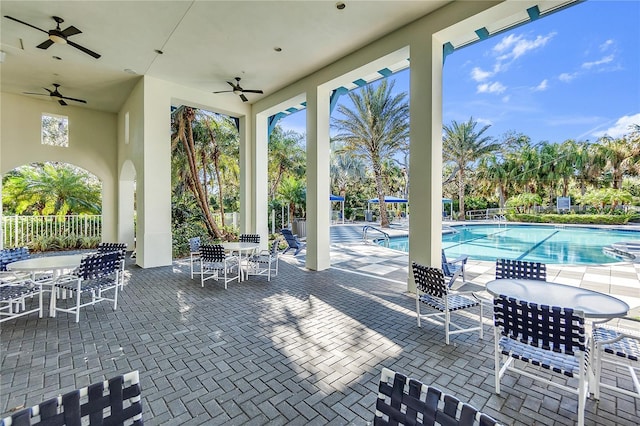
point(55, 130)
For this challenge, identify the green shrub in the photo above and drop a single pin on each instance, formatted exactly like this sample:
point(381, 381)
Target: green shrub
point(592, 219)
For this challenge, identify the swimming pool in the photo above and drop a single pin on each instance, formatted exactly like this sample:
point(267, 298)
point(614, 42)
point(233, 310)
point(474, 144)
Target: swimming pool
point(534, 243)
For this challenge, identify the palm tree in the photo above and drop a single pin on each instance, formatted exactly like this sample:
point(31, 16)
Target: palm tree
point(375, 129)
point(622, 157)
point(52, 188)
point(294, 192)
point(286, 157)
point(345, 169)
point(463, 145)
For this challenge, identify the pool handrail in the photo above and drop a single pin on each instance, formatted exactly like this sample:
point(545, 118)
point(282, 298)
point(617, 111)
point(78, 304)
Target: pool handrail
point(366, 228)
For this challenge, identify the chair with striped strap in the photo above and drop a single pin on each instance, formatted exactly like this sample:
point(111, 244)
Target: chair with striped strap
point(520, 269)
point(115, 401)
point(548, 337)
point(433, 291)
point(619, 348)
point(405, 401)
point(216, 264)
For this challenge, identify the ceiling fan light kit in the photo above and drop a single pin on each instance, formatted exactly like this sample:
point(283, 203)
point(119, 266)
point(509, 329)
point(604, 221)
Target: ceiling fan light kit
point(58, 36)
point(236, 89)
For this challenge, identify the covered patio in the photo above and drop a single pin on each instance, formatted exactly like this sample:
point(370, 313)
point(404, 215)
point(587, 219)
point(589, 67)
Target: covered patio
point(305, 348)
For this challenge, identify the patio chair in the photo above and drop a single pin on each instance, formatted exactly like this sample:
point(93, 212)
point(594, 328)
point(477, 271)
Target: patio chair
point(406, 401)
point(454, 268)
point(96, 274)
point(265, 262)
point(117, 247)
point(520, 269)
point(619, 348)
point(293, 241)
point(13, 295)
point(115, 401)
point(550, 337)
point(437, 295)
point(215, 264)
point(249, 238)
point(10, 255)
point(194, 254)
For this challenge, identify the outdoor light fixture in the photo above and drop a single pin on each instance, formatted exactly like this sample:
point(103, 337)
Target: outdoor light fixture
point(54, 37)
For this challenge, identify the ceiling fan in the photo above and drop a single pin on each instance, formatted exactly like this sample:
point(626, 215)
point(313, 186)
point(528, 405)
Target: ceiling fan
point(237, 90)
point(59, 36)
point(56, 94)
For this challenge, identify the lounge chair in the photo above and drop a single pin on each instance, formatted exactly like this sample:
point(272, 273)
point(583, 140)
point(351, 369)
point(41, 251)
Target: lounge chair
point(454, 268)
point(293, 241)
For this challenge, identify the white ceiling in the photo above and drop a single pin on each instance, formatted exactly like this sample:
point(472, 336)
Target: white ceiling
point(205, 43)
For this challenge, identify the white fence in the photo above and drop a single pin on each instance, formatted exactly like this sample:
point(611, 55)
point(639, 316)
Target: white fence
point(18, 231)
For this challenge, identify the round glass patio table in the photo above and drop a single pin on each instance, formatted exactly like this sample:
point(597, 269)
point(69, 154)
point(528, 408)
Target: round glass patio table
point(593, 303)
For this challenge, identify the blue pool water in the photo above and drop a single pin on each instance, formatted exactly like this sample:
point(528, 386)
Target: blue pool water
point(547, 244)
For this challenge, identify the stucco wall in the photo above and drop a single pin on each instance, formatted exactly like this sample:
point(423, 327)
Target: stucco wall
point(92, 144)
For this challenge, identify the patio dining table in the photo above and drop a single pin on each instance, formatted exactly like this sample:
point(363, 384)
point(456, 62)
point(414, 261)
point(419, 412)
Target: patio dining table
point(594, 304)
point(241, 247)
point(54, 264)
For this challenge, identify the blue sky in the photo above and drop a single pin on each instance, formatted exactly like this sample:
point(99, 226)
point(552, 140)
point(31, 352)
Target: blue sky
point(574, 74)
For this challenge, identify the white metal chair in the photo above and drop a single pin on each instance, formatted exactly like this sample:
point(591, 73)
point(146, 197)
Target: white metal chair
point(13, 295)
point(194, 254)
point(249, 238)
point(405, 401)
point(97, 274)
point(216, 264)
point(542, 336)
point(432, 290)
point(508, 268)
point(620, 349)
point(120, 248)
point(265, 262)
point(115, 401)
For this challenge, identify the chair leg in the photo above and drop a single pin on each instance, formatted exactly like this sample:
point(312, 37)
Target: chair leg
point(447, 321)
point(418, 307)
point(496, 360)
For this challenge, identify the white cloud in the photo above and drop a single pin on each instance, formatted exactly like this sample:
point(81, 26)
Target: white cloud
point(495, 87)
point(484, 121)
point(621, 127)
point(606, 45)
point(567, 77)
point(513, 46)
point(607, 59)
point(542, 86)
point(506, 99)
point(479, 75)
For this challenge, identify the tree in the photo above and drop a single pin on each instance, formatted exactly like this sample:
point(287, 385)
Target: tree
point(374, 129)
point(183, 135)
point(294, 192)
point(345, 169)
point(463, 145)
point(286, 157)
point(52, 189)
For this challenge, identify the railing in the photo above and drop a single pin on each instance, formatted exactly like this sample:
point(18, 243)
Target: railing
point(365, 230)
point(19, 231)
point(485, 214)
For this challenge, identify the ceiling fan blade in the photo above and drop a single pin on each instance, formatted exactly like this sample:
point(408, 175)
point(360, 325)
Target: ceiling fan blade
point(73, 99)
point(24, 23)
point(84, 49)
point(32, 93)
point(71, 31)
point(231, 84)
point(224, 91)
point(45, 44)
point(48, 90)
point(253, 91)
point(61, 102)
point(243, 97)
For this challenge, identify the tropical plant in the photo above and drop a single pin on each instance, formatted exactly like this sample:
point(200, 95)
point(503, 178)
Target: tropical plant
point(375, 129)
point(51, 189)
point(524, 202)
point(294, 192)
point(463, 145)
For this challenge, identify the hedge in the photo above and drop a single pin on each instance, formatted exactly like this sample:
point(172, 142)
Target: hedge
point(594, 219)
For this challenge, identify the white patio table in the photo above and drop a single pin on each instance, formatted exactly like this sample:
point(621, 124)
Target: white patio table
point(241, 247)
point(593, 303)
point(54, 264)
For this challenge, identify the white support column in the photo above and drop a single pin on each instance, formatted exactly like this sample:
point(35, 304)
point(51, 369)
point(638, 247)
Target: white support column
point(247, 207)
point(260, 181)
point(318, 238)
point(425, 232)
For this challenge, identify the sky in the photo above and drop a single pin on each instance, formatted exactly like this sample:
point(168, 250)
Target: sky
point(574, 74)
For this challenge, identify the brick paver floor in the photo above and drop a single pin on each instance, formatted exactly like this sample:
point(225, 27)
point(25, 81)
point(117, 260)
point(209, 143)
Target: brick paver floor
point(305, 348)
